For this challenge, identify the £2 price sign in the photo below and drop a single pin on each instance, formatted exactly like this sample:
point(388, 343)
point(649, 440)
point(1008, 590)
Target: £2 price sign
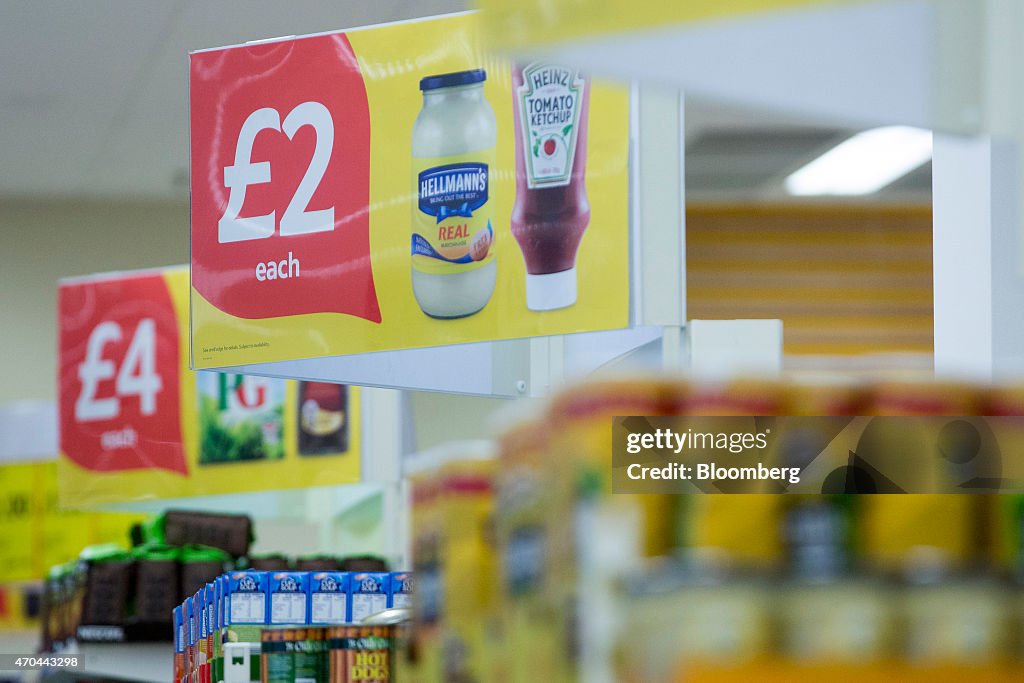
point(120, 368)
point(280, 148)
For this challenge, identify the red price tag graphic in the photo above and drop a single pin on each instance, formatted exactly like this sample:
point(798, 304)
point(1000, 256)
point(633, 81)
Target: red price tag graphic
point(280, 154)
point(119, 375)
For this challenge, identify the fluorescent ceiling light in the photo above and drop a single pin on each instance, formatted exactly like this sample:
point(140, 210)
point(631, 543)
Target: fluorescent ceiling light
point(865, 163)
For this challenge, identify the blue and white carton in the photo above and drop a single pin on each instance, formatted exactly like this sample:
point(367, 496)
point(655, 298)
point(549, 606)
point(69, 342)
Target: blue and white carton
point(367, 594)
point(328, 597)
point(245, 598)
point(400, 592)
point(289, 595)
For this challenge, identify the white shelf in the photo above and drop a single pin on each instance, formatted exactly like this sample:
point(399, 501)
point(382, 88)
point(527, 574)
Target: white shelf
point(128, 661)
point(21, 641)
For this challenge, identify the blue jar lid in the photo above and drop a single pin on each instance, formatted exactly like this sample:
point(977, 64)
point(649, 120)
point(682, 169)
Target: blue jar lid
point(453, 79)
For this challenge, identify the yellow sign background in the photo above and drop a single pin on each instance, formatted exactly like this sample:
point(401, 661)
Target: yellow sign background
point(392, 59)
point(36, 534)
point(82, 487)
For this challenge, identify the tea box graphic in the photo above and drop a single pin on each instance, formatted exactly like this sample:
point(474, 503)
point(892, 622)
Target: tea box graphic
point(240, 418)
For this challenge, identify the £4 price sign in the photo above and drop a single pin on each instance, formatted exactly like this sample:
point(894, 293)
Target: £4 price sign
point(120, 368)
point(280, 157)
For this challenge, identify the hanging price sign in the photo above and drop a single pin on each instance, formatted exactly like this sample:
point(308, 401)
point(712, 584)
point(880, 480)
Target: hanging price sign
point(359, 191)
point(119, 375)
point(136, 423)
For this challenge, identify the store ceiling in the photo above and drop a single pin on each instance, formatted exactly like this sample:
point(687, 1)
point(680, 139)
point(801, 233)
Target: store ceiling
point(93, 94)
point(733, 152)
point(93, 98)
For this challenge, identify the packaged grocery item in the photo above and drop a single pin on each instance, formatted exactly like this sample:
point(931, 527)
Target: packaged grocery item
point(421, 660)
point(56, 609)
point(289, 595)
point(359, 654)
point(818, 532)
point(400, 594)
point(898, 528)
point(741, 531)
point(246, 598)
point(177, 619)
point(551, 211)
point(210, 630)
point(1013, 534)
point(523, 531)
point(593, 536)
point(323, 418)
point(277, 655)
point(230, 533)
point(673, 620)
point(454, 269)
point(310, 655)
point(245, 607)
point(106, 572)
point(189, 616)
point(828, 613)
point(470, 577)
point(157, 588)
point(328, 598)
point(847, 619)
point(202, 634)
point(217, 630)
point(367, 594)
point(951, 621)
point(293, 655)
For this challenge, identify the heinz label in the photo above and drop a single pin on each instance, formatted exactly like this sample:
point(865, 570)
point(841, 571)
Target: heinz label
point(550, 102)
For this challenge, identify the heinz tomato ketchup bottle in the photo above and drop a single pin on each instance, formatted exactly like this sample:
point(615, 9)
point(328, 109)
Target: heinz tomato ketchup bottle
point(551, 211)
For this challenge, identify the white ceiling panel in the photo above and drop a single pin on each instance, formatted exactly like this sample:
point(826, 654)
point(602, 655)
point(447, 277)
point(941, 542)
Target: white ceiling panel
point(67, 71)
point(93, 94)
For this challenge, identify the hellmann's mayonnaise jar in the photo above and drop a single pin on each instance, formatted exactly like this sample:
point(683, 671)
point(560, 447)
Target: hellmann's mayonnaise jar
point(453, 152)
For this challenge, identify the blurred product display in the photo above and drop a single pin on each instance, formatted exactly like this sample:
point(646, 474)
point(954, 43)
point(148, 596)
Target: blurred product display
point(116, 594)
point(706, 586)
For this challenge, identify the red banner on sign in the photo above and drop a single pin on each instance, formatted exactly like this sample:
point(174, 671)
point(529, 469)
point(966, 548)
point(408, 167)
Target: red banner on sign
point(280, 136)
point(119, 371)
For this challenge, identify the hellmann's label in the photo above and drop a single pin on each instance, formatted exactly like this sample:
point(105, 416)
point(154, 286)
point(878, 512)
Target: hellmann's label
point(452, 229)
point(551, 100)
